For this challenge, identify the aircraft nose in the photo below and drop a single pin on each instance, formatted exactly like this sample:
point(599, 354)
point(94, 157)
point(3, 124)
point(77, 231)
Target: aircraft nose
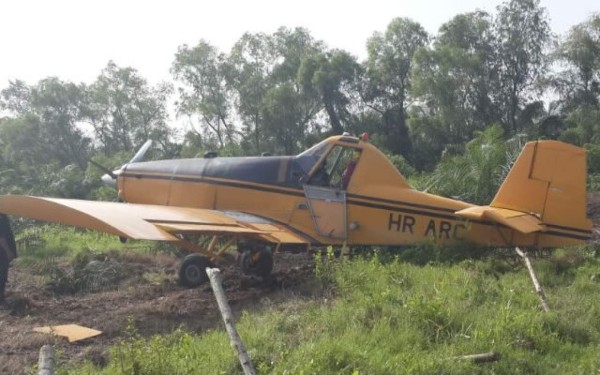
point(107, 180)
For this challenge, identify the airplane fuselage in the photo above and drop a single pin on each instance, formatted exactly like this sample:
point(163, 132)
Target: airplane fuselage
point(376, 208)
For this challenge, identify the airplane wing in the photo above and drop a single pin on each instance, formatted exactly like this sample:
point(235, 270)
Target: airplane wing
point(143, 221)
point(519, 221)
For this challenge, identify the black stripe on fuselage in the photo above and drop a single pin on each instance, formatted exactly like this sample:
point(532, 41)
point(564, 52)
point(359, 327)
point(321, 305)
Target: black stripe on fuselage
point(579, 230)
point(383, 200)
point(300, 193)
point(276, 189)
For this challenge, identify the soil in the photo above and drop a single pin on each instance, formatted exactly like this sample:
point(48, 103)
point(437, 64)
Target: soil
point(155, 306)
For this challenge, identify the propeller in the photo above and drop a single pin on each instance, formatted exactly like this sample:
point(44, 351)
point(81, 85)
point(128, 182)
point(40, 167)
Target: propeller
point(139, 156)
point(110, 177)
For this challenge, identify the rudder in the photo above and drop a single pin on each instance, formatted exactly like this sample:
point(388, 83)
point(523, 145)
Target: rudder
point(548, 180)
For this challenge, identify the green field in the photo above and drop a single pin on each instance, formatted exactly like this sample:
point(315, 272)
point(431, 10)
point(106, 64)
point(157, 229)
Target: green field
point(383, 315)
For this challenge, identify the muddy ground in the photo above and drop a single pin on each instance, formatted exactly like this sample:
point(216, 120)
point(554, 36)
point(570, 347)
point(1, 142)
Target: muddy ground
point(149, 295)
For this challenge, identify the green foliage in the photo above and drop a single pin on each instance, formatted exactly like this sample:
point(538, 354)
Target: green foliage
point(523, 37)
point(396, 317)
point(419, 96)
point(402, 165)
point(388, 72)
point(324, 265)
point(577, 83)
point(476, 175)
point(125, 111)
point(586, 126)
point(453, 80)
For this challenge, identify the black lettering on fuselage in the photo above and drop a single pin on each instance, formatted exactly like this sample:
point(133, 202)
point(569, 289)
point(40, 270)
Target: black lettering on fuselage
point(445, 229)
point(400, 222)
point(397, 222)
point(408, 223)
point(430, 229)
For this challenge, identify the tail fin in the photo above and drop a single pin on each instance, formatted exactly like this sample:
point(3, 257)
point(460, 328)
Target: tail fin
point(548, 180)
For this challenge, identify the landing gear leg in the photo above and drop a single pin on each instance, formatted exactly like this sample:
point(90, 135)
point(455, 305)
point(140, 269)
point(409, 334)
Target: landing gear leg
point(257, 262)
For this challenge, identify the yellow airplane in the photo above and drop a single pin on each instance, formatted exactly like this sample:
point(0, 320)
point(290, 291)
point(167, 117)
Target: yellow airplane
point(342, 191)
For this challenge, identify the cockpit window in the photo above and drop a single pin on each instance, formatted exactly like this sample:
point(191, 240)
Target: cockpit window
point(307, 160)
point(337, 168)
point(316, 151)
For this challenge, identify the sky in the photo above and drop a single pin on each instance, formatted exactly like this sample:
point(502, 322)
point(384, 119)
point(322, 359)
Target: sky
point(75, 39)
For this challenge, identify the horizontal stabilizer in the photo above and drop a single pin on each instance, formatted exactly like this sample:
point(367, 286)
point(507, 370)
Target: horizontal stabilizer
point(519, 221)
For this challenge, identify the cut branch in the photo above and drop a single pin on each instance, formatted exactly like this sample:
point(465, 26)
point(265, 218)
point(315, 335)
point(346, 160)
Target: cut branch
point(536, 283)
point(480, 358)
point(215, 281)
point(46, 360)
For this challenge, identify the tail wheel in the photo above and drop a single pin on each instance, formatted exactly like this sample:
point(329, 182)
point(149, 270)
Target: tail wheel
point(192, 272)
point(257, 263)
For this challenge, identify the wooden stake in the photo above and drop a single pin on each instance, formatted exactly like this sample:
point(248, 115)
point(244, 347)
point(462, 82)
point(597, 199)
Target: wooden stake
point(215, 281)
point(46, 360)
point(481, 358)
point(536, 283)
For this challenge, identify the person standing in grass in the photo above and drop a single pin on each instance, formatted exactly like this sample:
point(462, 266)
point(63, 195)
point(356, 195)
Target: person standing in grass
point(8, 252)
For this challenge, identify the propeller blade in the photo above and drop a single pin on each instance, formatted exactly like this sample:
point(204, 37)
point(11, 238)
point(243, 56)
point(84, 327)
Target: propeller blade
point(104, 169)
point(139, 156)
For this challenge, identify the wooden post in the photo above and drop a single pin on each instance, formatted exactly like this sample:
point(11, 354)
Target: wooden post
point(536, 283)
point(215, 281)
point(46, 360)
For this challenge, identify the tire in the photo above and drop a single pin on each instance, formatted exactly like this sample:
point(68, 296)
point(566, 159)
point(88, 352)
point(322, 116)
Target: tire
point(260, 267)
point(192, 272)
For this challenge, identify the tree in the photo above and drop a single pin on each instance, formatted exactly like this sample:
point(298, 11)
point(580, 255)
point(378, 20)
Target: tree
point(55, 107)
point(16, 98)
point(205, 94)
point(125, 111)
point(250, 64)
point(291, 47)
point(388, 67)
point(579, 53)
point(263, 73)
point(286, 118)
point(330, 76)
point(453, 84)
point(523, 36)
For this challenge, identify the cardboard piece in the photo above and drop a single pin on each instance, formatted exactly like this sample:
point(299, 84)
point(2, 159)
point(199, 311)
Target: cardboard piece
point(72, 332)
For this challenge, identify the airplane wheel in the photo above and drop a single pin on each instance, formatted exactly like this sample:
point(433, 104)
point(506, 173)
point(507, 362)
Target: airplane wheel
point(192, 272)
point(258, 263)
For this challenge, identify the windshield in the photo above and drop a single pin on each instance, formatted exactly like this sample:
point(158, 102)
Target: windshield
point(316, 150)
point(308, 158)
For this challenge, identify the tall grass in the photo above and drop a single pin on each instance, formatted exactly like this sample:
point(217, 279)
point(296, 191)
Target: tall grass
point(398, 317)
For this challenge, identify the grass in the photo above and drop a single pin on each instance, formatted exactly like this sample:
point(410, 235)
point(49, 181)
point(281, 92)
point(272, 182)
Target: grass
point(70, 260)
point(382, 315)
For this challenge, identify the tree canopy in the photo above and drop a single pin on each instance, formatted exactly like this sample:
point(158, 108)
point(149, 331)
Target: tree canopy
point(436, 104)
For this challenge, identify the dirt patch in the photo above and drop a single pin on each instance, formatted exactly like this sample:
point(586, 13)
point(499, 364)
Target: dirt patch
point(149, 296)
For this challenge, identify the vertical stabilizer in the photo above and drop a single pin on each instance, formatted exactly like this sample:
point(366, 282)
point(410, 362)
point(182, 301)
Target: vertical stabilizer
point(548, 180)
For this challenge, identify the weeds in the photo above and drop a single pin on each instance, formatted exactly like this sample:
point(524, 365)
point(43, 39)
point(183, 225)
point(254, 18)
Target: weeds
point(391, 316)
